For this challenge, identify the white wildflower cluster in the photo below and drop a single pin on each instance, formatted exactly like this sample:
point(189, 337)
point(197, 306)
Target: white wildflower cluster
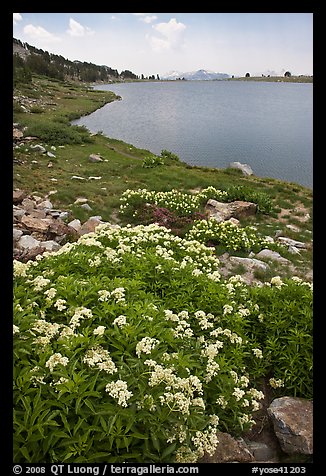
point(181, 393)
point(20, 269)
point(206, 441)
point(47, 330)
point(276, 383)
point(103, 295)
point(89, 239)
point(99, 331)
point(204, 320)
point(300, 281)
point(100, 358)
point(60, 304)
point(40, 283)
point(257, 353)
point(133, 240)
point(119, 390)
point(222, 402)
point(66, 332)
point(226, 233)
point(146, 345)
point(37, 376)
point(180, 202)
point(15, 329)
point(233, 337)
point(50, 293)
point(277, 281)
point(117, 294)
point(94, 263)
point(56, 359)
point(80, 313)
point(120, 321)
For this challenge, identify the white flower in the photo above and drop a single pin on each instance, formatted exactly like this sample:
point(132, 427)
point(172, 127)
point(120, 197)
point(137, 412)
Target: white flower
point(238, 393)
point(15, 329)
point(99, 331)
point(227, 309)
point(276, 383)
point(146, 345)
point(99, 357)
point(103, 295)
point(120, 321)
point(50, 293)
point(40, 282)
point(257, 353)
point(119, 390)
point(56, 359)
point(60, 304)
point(276, 281)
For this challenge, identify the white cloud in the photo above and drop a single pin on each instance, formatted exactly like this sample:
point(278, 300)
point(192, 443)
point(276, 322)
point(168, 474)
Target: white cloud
point(38, 32)
point(172, 35)
point(149, 18)
point(16, 17)
point(76, 29)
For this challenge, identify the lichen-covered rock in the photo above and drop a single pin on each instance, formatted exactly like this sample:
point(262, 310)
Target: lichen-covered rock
point(292, 418)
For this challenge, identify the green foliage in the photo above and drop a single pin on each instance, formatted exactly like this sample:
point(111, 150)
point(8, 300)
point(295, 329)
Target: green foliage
point(261, 199)
point(129, 347)
point(58, 133)
point(166, 154)
point(227, 234)
point(284, 331)
point(152, 161)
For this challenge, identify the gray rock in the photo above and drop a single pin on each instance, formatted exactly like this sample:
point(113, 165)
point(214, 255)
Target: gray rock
point(18, 196)
point(18, 213)
point(77, 177)
point(16, 234)
point(85, 206)
point(292, 419)
point(28, 204)
point(245, 168)
point(221, 211)
point(63, 215)
point(75, 224)
point(28, 242)
point(50, 245)
point(272, 255)
point(262, 451)
point(293, 228)
point(229, 450)
point(45, 204)
point(38, 148)
point(289, 242)
point(50, 154)
point(249, 263)
point(95, 158)
point(40, 225)
point(89, 225)
point(80, 200)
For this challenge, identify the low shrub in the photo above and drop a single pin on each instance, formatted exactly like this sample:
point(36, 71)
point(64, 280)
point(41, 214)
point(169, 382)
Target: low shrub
point(128, 347)
point(166, 154)
point(57, 133)
point(152, 161)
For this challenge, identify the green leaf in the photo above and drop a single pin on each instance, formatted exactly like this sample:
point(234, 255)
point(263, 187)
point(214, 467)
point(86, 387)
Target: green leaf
point(169, 450)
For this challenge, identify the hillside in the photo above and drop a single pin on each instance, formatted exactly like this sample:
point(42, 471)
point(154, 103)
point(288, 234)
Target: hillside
point(171, 326)
point(38, 61)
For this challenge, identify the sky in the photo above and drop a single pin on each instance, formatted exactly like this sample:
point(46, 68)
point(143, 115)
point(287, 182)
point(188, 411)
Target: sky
point(157, 43)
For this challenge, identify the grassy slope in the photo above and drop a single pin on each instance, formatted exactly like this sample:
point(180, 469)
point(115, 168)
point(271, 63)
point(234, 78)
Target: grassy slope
point(122, 168)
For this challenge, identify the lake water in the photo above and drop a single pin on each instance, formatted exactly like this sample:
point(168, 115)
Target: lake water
point(212, 123)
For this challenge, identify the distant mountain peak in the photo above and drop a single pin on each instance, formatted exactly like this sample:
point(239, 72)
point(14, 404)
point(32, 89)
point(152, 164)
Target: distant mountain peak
point(199, 75)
